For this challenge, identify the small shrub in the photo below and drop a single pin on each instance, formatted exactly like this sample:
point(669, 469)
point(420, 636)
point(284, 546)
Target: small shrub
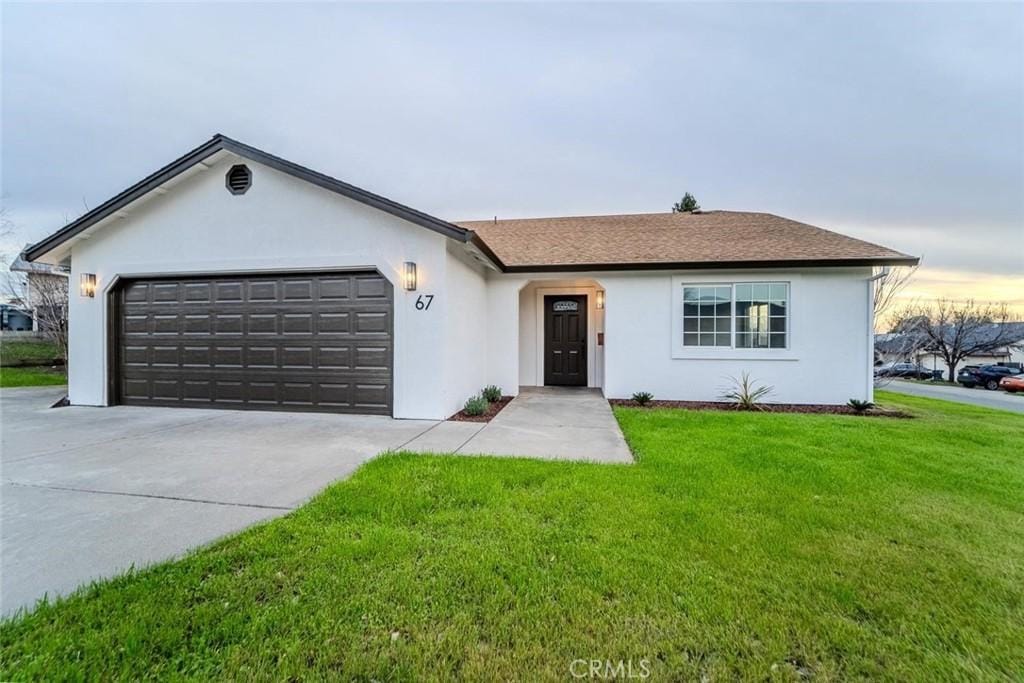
point(475, 405)
point(744, 394)
point(642, 398)
point(491, 393)
point(860, 406)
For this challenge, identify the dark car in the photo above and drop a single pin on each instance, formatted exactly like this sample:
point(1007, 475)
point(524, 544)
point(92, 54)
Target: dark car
point(911, 370)
point(987, 376)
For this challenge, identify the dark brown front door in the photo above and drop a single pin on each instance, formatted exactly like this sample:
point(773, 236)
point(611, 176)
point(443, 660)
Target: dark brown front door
point(565, 341)
point(296, 341)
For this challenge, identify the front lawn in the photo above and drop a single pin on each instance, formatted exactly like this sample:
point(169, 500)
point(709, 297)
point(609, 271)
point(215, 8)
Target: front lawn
point(754, 546)
point(32, 377)
point(20, 363)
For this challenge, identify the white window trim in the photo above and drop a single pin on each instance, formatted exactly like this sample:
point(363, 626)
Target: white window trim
point(679, 351)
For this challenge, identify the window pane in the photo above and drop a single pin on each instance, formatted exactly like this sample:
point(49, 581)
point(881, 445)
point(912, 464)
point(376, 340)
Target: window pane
point(690, 309)
point(690, 293)
point(722, 324)
point(723, 309)
point(689, 324)
point(760, 292)
point(778, 308)
point(722, 339)
point(707, 340)
point(742, 292)
point(742, 324)
point(742, 340)
point(778, 291)
point(690, 339)
point(723, 294)
point(707, 310)
point(778, 325)
point(778, 341)
point(742, 309)
point(707, 324)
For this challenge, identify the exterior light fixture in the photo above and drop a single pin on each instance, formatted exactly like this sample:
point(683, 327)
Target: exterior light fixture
point(87, 285)
point(409, 278)
point(600, 298)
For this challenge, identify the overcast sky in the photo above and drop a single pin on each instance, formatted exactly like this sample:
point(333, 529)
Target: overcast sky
point(901, 124)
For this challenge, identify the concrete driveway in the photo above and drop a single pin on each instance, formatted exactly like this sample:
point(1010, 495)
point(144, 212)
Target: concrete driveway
point(89, 492)
point(955, 392)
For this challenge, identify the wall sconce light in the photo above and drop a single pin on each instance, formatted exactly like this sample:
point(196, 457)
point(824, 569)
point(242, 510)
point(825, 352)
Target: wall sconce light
point(600, 298)
point(409, 278)
point(87, 285)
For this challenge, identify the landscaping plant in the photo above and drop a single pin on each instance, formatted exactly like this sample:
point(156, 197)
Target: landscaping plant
point(744, 394)
point(860, 406)
point(491, 393)
point(642, 398)
point(475, 405)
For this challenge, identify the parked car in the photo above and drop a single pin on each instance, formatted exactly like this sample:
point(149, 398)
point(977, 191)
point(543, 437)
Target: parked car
point(1012, 383)
point(911, 370)
point(987, 376)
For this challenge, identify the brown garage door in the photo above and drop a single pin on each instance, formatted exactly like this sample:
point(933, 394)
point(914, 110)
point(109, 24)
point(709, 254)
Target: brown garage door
point(305, 342)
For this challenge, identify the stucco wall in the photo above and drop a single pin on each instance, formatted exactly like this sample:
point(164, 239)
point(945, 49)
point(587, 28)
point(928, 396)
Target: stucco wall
point(466, 329)
point(280, 223)
point(828, 359)
point(827, 362)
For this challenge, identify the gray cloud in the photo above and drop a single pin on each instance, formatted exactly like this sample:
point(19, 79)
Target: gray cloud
point(897, 123)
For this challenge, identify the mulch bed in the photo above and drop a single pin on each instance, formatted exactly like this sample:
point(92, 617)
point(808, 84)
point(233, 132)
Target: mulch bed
point(766, 408)
point(492, 410)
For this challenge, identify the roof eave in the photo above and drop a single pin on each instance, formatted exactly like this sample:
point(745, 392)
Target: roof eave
point(901, 260)
point(220, 142)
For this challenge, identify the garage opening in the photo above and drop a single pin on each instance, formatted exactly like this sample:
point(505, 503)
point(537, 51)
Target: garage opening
point(299, 341)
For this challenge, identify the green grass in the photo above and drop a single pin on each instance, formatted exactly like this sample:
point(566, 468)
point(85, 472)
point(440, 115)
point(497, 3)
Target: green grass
point(14, 353)
point(750, 546)
point(32, 377)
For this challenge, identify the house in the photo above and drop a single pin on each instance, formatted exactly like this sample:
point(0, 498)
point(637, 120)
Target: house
point(45, 292)
point(232, 278)
point(913, 346)
point(15, 319)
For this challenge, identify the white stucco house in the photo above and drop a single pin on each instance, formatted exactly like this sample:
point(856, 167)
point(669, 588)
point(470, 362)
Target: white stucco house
point(232, 278)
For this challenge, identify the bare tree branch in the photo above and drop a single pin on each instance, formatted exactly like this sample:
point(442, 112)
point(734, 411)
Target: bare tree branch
point(889, 286)
point(954, 330)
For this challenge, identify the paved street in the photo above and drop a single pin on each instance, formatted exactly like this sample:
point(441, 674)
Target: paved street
point(949, 392)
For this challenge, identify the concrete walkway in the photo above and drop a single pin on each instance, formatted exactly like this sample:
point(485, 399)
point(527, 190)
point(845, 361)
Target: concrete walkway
point(954, 392)
point(541, 422)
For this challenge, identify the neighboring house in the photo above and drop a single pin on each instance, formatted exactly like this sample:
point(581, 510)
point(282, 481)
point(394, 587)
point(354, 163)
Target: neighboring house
point(913, 347)
point(234, 278)
point(14, 319)
point(45, 290)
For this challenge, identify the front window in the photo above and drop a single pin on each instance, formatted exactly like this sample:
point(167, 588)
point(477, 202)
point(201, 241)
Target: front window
point(748, 315)
point(707, 315)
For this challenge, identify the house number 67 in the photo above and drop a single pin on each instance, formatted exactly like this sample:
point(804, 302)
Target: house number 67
point(423, 301)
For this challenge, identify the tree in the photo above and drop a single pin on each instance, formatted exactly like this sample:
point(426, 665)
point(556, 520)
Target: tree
point(688, 204)
point(955, 330)
point(888, 286)
point(41, 288)
point(48, 296)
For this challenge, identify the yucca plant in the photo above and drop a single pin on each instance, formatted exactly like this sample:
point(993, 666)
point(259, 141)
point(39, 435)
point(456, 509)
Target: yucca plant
point(745, 394)
point(642, 398)
point(860, 406)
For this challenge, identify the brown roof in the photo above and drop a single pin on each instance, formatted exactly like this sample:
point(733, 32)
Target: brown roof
point(651, 240)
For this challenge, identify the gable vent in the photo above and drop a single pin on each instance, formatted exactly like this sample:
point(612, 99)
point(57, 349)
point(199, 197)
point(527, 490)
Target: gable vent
point(238, 179)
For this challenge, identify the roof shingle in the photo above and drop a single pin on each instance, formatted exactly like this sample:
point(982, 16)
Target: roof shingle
point(707, 238)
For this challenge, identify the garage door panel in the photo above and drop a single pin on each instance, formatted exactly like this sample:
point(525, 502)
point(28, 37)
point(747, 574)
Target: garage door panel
point(318, 342)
